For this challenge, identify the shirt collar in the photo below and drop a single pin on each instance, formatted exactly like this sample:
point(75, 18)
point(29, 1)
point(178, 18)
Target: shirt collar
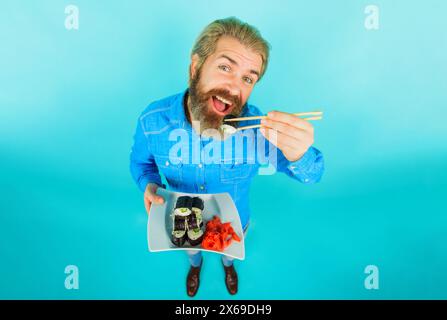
point(176, 114)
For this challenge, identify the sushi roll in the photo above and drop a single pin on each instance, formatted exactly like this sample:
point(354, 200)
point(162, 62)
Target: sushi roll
point(195, 236)
point(195, 222)
point(192, 221)
point(228, 128)
point(179, 231)
point(197, 208)
point(182, 210)
point(183, 206)
point(197, 203)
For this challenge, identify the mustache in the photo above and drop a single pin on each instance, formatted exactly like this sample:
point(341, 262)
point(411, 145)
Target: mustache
point(235, 100)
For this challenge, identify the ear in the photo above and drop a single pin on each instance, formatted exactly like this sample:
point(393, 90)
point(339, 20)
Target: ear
point(193, 66)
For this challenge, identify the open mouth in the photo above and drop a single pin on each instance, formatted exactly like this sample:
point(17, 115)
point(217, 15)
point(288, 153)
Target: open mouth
point(221, 105)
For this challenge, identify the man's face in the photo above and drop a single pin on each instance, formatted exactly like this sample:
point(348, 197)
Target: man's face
point(223, 83)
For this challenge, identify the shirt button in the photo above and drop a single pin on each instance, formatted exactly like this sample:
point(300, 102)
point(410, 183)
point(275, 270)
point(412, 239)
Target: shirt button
point(202, 187)
point(306, 180)
point(200, 165)
point(167, 163)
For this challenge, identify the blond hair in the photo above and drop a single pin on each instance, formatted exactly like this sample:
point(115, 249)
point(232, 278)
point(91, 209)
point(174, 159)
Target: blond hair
point(246, 34)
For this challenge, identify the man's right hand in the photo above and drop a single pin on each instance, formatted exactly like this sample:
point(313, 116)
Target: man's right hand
point(150, 196)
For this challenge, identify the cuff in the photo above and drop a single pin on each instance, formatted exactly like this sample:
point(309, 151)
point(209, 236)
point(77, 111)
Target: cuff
point(144, 182)
point(304, 163)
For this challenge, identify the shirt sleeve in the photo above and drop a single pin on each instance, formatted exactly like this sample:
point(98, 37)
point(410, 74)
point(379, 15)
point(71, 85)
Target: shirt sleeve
point(308, 169)
point(143, 168)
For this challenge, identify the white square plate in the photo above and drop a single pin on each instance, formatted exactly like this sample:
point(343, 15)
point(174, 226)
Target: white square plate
point(159, 226)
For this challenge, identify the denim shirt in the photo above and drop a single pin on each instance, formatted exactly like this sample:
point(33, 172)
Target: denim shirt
point(165, 143)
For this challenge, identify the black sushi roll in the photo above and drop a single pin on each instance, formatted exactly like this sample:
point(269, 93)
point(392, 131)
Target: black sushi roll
point(178, 241)
point(195, 222)
point(197, 203)
point(179, 223)
point(197, 208)
point(183, 206)
point(178, 236)
point(183, 202)
point(192, 221)
point(180, 203)
point(192, 239)
point(182, 210)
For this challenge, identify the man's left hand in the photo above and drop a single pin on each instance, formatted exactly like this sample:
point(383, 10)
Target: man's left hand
point(294, 135)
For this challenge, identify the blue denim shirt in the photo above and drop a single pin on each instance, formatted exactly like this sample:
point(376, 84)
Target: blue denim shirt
point(165, 143)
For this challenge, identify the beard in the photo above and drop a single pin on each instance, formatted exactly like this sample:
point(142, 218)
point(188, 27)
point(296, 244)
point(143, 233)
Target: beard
point(199, 105)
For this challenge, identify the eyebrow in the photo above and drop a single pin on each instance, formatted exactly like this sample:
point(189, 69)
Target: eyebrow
point(235, 63)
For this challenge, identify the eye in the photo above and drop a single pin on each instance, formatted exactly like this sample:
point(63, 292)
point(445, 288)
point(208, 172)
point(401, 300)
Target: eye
point(224, 67)
point(248, 80)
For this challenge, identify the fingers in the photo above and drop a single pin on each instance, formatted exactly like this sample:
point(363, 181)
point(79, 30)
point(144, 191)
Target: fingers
point(150, 196)
point(151, 192)
point(147, 204)
point(279, 139)
point(158, 199)
point(284, 128)
point(153, 198)
point(290, 119)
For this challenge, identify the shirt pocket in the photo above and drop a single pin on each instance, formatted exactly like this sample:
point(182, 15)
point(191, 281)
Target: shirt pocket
point(234, 171)
point(171, 168)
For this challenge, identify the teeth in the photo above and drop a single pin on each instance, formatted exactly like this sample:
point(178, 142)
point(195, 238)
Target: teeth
point(223, 100)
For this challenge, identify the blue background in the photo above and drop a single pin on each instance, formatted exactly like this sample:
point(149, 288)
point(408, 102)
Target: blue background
point(69, 101)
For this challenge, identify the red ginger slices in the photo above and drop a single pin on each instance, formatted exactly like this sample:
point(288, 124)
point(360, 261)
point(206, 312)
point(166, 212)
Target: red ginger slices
point(218, 236)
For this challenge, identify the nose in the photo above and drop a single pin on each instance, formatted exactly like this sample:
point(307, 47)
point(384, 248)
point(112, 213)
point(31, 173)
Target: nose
point(233, 88)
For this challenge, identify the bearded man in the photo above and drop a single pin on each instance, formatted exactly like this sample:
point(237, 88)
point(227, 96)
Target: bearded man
point(227, 60)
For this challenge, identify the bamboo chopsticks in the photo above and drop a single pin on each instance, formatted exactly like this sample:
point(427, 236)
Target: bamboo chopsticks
point(317, 115)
